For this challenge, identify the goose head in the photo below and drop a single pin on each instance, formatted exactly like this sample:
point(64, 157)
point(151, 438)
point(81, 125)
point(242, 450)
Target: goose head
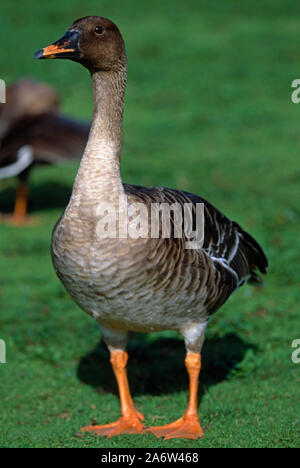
point(93, 41)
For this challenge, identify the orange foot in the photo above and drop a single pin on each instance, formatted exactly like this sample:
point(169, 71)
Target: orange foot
point(125, 425)
point(187, 427)
point(19, 221)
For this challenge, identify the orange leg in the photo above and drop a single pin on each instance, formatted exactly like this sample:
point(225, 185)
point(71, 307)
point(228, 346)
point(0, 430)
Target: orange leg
point(130, 421)
point(20, 210)
point(188, 426)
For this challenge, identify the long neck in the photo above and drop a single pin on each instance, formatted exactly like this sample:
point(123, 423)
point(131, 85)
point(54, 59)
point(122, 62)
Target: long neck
point(99, 173)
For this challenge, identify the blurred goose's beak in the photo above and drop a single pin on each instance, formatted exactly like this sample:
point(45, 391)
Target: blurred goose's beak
point(66, 48)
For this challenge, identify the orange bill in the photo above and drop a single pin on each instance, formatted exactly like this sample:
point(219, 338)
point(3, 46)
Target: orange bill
point(65, 47)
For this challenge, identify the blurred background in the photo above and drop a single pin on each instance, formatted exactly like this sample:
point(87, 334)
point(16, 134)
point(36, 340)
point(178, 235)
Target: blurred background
point(208, 110)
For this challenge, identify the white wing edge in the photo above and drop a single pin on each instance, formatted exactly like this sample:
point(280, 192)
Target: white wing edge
point(24, 158)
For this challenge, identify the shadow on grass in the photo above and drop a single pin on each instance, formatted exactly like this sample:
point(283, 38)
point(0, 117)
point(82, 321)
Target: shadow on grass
point(157, 367)
point(44, 196)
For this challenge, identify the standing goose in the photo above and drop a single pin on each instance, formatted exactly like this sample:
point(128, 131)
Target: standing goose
point(32, 132)
point(138, 284)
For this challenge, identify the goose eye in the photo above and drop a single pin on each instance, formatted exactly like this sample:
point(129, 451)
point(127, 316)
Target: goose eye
point(98, 30)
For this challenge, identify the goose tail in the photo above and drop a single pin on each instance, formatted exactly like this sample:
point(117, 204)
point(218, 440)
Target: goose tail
point(250, 259)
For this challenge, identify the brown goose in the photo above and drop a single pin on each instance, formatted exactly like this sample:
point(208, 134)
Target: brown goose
point(141, 283)
point(33, 132)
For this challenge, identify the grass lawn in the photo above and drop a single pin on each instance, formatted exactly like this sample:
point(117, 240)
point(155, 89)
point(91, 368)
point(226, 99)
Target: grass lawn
point(208, 110)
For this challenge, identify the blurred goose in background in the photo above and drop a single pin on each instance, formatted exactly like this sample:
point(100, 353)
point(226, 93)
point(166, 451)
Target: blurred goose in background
point(139, 284)
point(33, 132)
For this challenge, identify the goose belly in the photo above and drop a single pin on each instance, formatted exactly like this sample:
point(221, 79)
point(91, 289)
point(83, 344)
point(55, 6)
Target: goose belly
point(124, 294)
point(126, 307)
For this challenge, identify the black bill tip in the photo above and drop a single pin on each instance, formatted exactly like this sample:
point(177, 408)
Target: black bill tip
point(39, 54)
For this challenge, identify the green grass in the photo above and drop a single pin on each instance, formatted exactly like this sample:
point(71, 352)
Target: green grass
point(208, 110)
